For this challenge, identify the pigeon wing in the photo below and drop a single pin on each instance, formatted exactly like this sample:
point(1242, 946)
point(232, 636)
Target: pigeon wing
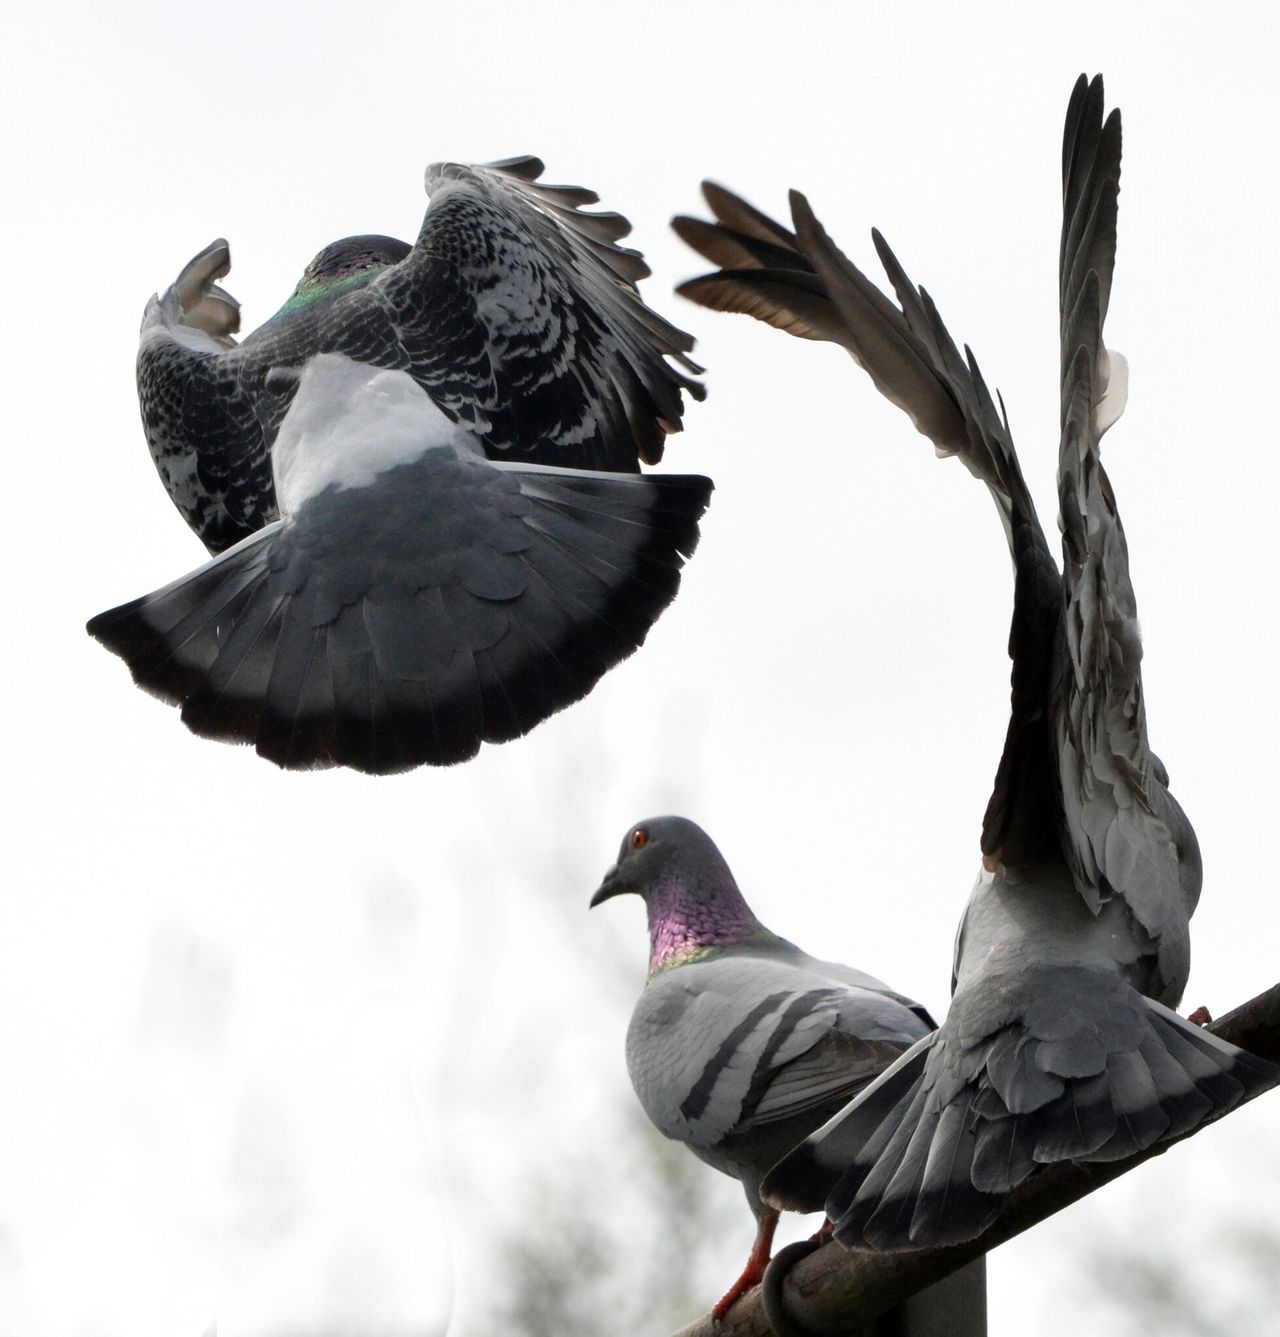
point(801, 282)
point(587, 375)
point(1124, 833)
point(205, 427)
point(515, 310)
point(711, 1044)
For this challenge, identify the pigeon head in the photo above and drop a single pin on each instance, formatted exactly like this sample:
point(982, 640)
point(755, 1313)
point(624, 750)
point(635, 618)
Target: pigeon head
point(342, 265)
point(352, 255)
point(694, 904)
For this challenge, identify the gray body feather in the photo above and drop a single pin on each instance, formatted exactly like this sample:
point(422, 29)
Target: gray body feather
point(1059, 1042)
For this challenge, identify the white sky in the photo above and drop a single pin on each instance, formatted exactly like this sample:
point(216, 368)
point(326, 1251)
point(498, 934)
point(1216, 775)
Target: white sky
point(268, 1039)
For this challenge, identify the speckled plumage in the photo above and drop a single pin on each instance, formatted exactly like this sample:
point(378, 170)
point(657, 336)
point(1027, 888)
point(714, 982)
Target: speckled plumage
point(514, 309)
point(1059, 1043)
point(421, 481)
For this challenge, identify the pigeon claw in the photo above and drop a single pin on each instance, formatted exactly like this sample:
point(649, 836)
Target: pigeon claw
point(1200, 1016)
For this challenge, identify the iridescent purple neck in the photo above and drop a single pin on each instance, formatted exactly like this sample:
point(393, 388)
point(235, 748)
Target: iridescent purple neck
point(685, 924)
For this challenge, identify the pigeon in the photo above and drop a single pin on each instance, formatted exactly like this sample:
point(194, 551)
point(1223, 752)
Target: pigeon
point(419, 482)
point(1061, 1042)
point(741, 1043)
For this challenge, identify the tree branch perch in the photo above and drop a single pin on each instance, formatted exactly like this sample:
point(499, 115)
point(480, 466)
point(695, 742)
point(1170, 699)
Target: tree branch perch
point(831, 1287)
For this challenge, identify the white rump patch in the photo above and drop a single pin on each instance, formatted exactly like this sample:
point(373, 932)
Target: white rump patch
point(1115, 375)
point(350, 422)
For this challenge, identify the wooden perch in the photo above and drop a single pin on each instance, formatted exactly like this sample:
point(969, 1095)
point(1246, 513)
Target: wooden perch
point(833, 1287)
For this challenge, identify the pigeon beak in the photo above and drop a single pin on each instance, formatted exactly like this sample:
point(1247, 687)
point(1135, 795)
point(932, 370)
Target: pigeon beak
point(613, 885)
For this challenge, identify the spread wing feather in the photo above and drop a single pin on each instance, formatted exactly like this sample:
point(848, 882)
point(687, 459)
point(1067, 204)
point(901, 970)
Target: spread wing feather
point(802, 283)
point(1125, 834)
point(1049, 1051)
point(515, 310)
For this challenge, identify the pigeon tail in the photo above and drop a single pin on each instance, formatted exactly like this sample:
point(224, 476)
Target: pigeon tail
point(1085, 1069)
point(451, 602)
point(804, 1178)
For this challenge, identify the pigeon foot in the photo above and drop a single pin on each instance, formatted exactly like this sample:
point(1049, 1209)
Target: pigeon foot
point(754, 1272)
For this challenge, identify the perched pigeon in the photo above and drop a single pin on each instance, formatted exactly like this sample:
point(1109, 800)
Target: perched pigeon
point(1060, 1043)
point(428, 460)
point(741, 1043)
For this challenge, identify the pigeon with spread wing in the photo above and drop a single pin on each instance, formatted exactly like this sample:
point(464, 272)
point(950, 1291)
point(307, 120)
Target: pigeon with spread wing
point(1061, 1042)
point(420, 481)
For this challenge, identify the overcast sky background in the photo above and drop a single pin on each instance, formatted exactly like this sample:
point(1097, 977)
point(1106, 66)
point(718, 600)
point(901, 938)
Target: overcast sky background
point(289, 1050)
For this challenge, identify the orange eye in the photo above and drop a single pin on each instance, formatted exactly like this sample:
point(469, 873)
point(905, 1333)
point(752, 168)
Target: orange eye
point(639, 838)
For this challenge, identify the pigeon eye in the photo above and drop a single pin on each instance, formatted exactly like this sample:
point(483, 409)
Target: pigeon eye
point(639, 838)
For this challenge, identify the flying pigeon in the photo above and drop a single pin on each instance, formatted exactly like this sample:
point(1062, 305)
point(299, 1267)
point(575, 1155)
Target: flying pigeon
point(420, 480)
point(1061, 1042)
point(741, 1043)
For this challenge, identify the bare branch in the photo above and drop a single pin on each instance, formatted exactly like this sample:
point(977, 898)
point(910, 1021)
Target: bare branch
point(832, 1286)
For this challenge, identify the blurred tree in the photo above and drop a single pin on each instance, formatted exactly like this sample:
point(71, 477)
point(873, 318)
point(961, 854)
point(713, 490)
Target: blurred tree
point(1143, 1290)
point(635, 1230)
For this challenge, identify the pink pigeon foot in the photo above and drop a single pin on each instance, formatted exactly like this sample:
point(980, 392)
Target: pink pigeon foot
point(754, 1270)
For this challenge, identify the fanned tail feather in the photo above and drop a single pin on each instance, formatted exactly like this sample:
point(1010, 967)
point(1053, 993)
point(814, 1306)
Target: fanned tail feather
point(380, 639)
point(937, 1160)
